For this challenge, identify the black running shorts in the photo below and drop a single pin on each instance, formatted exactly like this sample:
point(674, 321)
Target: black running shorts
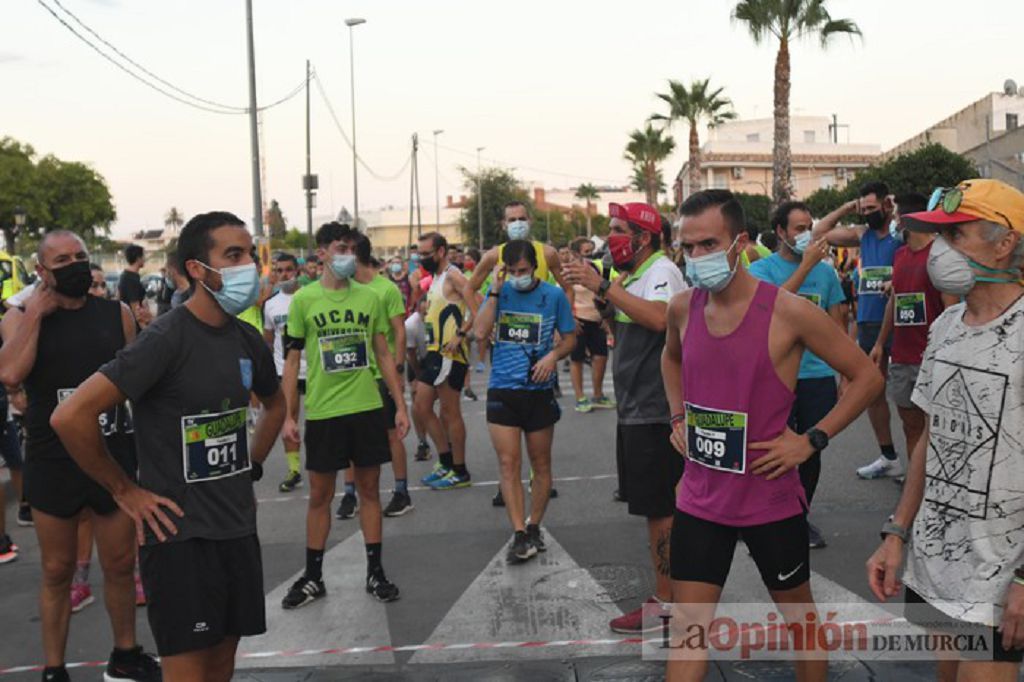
point(435, 369)
point(702, 550)
point(200, 591)
point(649, 469)
point(918, 611)
point(592, 338)
point(528, 410)
point(359, 439)
point(58, 487)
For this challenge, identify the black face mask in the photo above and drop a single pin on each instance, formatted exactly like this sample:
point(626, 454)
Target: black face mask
point(429, 264)
point(73, 280)
point(874, 220)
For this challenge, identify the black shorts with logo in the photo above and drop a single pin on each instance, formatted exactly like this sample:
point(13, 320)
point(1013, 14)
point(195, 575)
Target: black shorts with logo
point(702, 550)
point(435, 369)
point(58, 487)
point(200, 591)
point(528, 410)
point(592, 339)
point(918, 611)
point(649, 469)
point(359, 439)
point(390, 408)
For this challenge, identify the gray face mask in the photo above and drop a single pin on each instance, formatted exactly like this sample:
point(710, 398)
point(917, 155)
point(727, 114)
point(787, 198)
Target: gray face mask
point(954, 273)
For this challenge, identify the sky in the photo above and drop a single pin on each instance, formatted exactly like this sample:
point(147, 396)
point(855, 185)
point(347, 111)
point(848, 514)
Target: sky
point(550, 89)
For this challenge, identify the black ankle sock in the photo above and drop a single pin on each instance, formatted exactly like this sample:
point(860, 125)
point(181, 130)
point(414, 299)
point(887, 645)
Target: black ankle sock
point(888, 451)
point(530, 526)
point(314, 564)
point(461, 470)
point(57, 672)
point(446, 459)
point(373, 552)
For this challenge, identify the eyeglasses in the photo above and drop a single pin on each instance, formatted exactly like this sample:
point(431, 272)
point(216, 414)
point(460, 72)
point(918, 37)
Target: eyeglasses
point(950, 200)
point(98, 285)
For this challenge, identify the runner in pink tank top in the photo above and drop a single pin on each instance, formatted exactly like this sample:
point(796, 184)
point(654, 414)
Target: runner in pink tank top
point(732, 355)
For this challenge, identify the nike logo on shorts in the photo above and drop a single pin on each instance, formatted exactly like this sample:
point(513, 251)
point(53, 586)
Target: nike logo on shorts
point(787, 576)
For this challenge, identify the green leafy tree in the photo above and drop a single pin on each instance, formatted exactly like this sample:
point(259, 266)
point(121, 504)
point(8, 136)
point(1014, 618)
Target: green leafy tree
point(588, 193)
point(787, 21)
point(695, 104)
point(275, 220)
point(174, 219)
point(497, 186)
point(921, 170)
point(19, 189)
point(757, 209)
point(76, 196)
point(295, 239)
point(646, 149)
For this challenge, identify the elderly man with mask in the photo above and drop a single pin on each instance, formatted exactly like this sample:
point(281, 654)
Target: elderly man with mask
point(962, 508)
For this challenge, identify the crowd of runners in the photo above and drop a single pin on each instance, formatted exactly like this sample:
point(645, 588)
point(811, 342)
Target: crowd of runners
point(737, 358)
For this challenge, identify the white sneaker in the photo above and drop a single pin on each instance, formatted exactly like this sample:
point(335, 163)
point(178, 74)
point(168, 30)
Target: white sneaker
point(881, 468)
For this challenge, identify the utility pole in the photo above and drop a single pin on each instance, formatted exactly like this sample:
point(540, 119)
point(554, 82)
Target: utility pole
point(310, 182)
point(352, 23)
point(416, 182)
point(254, 140)
point(479, 200)
point(437, 189)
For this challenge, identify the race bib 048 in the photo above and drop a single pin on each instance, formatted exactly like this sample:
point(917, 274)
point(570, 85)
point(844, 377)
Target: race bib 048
point(215, 445)
point(910, 310)
point(343, 353)
point(519, 327)
point(717, 439)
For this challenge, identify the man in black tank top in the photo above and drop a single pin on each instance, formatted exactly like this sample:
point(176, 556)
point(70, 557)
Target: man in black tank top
point(51, 345)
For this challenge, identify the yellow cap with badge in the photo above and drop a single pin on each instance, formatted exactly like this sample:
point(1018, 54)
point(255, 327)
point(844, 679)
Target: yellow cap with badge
point(977, 199)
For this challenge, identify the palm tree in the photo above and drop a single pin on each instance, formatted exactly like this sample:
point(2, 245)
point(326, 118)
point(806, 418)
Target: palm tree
point(692, 105)
point(173, 219)
point(646, 149)
point(587, 192)
point(788, 20)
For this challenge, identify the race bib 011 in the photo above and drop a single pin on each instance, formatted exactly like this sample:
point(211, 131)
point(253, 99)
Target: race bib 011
point(910, 310)
point(717, 439)
point(521, 328)
point(215, 445)
point(343, 353)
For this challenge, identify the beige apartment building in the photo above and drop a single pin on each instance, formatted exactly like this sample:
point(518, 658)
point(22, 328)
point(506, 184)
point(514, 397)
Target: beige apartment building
point(737, 156)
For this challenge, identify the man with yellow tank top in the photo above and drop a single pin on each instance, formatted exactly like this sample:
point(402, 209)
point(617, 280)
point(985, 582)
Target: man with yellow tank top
point(443, 370)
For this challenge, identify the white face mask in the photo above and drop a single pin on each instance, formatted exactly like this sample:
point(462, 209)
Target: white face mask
point(518, 229)
point(954, 273)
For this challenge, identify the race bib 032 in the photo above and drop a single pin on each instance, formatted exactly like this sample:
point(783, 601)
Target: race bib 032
point(343, 353)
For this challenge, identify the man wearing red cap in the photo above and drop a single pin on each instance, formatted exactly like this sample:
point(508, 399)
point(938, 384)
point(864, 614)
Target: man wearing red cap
point(648, 466)
point(963, 501)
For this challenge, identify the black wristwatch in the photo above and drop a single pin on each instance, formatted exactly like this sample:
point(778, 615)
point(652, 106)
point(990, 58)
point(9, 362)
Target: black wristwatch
point(818, 438)
point(603, 287)
point(257, 471)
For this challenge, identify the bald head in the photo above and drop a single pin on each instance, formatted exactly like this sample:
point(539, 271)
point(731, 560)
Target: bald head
point(60, 247)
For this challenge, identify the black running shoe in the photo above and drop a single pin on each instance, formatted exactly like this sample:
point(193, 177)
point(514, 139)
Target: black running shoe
point(134, 664)
point(520, 550)
point(470, 395)
point(380, 588)
point(348, 507)
point(289, 484)
point(498, 500)
point(422, 452)
point(56, 675)
point(400, 503)
point(25, 515)
point(814, 537)
point(535, 537)
point(618, 497)
point(302, 592)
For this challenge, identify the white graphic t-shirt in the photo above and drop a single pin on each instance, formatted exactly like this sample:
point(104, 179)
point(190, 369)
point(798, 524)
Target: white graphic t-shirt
point(968, 536)
point(275, 317)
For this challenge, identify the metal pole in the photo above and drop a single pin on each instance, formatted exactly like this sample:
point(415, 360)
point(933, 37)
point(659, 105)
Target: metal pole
point(479, 200)
point(352, 23)
point(416, 182)
point(254, 140)
point(437, 188)
point(309, 188)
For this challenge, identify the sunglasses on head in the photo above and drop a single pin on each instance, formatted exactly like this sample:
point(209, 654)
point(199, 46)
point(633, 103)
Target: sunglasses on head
point(949, 199)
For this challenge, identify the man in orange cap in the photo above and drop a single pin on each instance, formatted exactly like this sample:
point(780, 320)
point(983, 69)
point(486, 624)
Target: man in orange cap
point(964, 496)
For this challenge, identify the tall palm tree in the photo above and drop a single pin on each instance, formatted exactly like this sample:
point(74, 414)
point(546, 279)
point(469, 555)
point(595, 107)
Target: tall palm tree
point(173, 219)
point(646, 149)
point(786, 21)
point(694, 104)
point(588, 193)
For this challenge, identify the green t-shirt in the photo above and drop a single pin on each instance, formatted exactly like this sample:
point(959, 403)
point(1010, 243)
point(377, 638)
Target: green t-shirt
point(254, 316)
point(338, 328)
point(393, 305)
point(305, 280)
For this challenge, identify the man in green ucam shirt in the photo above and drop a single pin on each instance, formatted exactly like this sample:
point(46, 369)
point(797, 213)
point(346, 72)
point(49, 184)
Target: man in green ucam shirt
point(342, 326)
point(394, 309)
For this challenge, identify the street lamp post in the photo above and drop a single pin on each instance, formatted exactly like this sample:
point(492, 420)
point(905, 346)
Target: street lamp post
point(479, 200)
point(19, 223)
point(352, 23)
point(437, 188)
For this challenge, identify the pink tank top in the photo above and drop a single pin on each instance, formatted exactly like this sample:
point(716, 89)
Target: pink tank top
point(734, 397)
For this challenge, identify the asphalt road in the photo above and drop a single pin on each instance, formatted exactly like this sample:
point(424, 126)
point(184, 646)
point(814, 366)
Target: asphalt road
point(456, 592)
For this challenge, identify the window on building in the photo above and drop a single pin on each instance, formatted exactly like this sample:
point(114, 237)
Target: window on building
point(753, 137)
point(826, 181)
point(721, 180)
point(1011, 121)
point(809, 136)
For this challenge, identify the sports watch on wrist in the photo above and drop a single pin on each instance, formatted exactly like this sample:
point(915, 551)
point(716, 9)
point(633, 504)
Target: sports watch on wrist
point(890, 528)
point(818, 438)
point(603, 287)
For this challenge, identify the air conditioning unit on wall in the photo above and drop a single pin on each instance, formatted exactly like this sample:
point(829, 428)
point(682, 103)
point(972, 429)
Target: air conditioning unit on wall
point(841, 173)
point(737, 173)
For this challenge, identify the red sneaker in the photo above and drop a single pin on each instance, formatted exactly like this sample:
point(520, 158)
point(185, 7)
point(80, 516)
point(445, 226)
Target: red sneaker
point(81, 596)
point(632, 623)
point(140, 594)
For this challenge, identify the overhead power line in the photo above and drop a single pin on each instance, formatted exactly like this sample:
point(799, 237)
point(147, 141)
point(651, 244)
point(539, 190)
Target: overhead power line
point(509, 164)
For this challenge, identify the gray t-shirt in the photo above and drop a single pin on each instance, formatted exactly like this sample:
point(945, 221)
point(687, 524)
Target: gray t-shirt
point(189, 384)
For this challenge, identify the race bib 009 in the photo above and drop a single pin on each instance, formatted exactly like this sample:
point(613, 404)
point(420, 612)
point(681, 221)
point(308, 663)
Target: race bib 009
point(717, 439)
point(343, 353)
point(910, 310)
point(215, 445)
point(519, 328)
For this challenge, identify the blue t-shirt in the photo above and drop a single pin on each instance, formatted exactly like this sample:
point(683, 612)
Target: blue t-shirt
point(821, 287)
point(876, 255)
point(524, 332)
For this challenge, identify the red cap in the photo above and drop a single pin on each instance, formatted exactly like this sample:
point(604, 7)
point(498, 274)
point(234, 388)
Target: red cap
point(643, 216)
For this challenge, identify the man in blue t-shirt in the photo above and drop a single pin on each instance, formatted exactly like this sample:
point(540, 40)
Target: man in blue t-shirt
point(798, 268)
point(878, 243)
point(523, 314)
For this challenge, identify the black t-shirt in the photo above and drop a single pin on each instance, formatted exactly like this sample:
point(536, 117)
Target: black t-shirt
point(189, 384)
point(130, 289)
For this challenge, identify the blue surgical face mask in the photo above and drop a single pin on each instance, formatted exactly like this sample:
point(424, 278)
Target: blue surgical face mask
point(800, 244)
point(521, 283)
point(240, 285)
point(343, 265)
point(711, 272)
point(396, 268)
point(519, 229)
